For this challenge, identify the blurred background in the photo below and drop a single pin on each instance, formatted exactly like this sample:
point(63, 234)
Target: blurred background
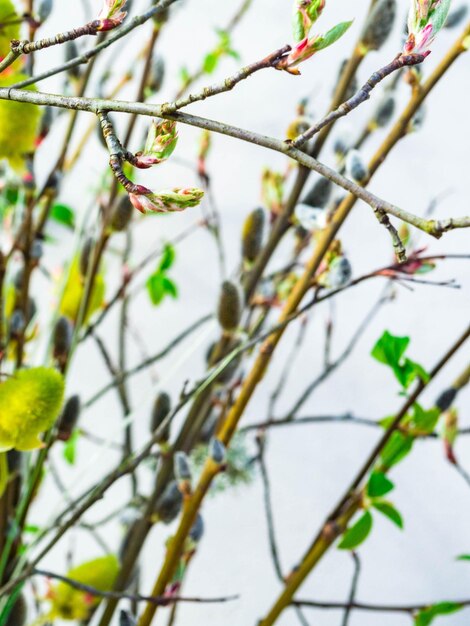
point(309, 465)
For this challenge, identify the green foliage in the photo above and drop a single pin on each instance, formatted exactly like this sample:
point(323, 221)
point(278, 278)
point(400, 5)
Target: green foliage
point(387, 509)
point(211, 60)
point(390, 351)
point(159, 284)
point(63, 214)
point(379, 485)
point(427, 616)
point(358, 533)
point(332, 36)
point(19, 124)
point(396, 449)
point(70, 447)
point(30, 402)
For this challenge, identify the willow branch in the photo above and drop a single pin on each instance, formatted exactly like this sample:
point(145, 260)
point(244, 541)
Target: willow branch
point(101, 106)
point(116, 36)
point(135, 597)
point(401, 61)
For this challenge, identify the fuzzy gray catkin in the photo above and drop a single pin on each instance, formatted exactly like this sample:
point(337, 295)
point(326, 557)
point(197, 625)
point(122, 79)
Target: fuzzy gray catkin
point(230, 306)
point(385, 111)
point(456, 17)
point(168, 505)
point(85, 256)
point(380, 24)
point(156, 75)
point(122, 213)
point(160, 411)
point(356, 167)
point(320, 194)
point(69, 418)
point(62, 339)
point(252, 235)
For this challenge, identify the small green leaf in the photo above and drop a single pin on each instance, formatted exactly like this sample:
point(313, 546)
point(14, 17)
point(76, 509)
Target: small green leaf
point(70, 447)
point(387, 509)
point(358, 533)
point(426, 617)
point(64, 215)
point(168, 258)
point(31, 529)
point(298, 26)
point(425, 421)
point(184, 75)
point(463, 557)
point(439, 15)
point(210, 62)
point(170, 287)
point(396, 449)
point(156, 288)
point(389, 349)
point(379, 485)
point(332, 36)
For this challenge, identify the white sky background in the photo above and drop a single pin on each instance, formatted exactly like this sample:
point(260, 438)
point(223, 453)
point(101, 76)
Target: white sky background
point(309, 466)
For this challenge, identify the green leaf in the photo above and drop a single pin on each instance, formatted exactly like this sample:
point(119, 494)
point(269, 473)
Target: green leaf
point(425, 421)
point(379, 485)
point(170, 287)
point(463, 557)
point(332, 36)
point(426, 617)
point(439, 15)
point(168, 258)
point(396, 449)
point(210, 62)
point(184, 75)
point(357, 534)
point(156, 288)
point(70, 447)
point(387, 509)
point(389, 349)
point(64, 215)
point(31, 529)
point(298, 26)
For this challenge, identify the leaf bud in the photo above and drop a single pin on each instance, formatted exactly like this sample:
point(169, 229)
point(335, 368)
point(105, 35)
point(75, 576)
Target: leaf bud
point(217, 451)
point(182, 467)
point(197, 530)
point(446, 399)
